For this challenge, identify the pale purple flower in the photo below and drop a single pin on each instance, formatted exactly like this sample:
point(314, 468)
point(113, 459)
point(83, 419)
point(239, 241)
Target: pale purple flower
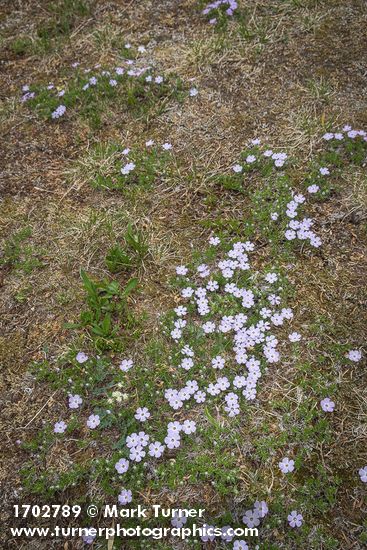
point(250, 159)
point(156, 449)
point(261, 508)
point(81, 357)
point(240, 545)
point(90, 534)
point(167, 146)
point(125, 497)
point(172, 441)
point(75, 401)
point(214, 241)
point(324, 171)
point(93, 421)
point(189, 427)
point(60, 427)
point(129, 167)
point(354, 355)
point(295, 519)
point(142, 414)
point(122, 466)
point(286, 465)
point(126, 365)
point(137, 453)
point(132, 440)
point(179, 519)
point(158, 79)
point(237, 168)
point(327, 404)
point(181, 270)
point(218, 362)
point(313, 188)
point(149, 143)
point(294, 337)
point(251, 518)
point(363, 474)
point(200, 397)
point(271, 277)
point(193, 92)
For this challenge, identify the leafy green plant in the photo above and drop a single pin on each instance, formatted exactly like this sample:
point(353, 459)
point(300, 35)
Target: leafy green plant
point(136, 241)
point(117, 259)
point(105, 299)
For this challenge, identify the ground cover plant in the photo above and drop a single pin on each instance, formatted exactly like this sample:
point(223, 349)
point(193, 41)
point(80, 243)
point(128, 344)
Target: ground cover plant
point(182, 272)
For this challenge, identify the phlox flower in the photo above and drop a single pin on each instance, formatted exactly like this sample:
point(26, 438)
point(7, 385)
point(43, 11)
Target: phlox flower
point(179, 519)
point(251, 518)
point(327, 404)
point(295, 519)
point(200, 397)
point(189, 427)
point(214, 241)
point(93, 421)
point(187, 363)
point(89, 535)
point(156, 449)
point(363, 474)
point(125, 497)
point(240, 545)
point(294, 337)
point(313, 188)
point(213, 389)
point(218, 362)
point(193, 92)
point(181, 270)
point(271, 277)
point(122, 466)
point(129, 167)
point(354, 355)
point(208, 530)
point(167, 146)
point(126, 365)
point(290, 235)
point(212, 286)
point(250, 159)
point(186, 350)
point(172, 441)
point(142, 414)
point(137, 453)
point(237, 168)
point(324, 171)
point(261, 508)
point(286, 465)
point(180, 311)
point(75, 401)
point(60, 427)
point(81, 357)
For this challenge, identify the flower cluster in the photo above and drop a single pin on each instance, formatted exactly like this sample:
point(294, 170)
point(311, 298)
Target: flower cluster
point(348, 130)
point(229, 7)
point(227, 281)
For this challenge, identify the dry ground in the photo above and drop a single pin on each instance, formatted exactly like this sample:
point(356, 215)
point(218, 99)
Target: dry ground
point(302, 69)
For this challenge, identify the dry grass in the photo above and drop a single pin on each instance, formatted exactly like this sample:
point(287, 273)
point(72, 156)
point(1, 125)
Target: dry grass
point(286, 81)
